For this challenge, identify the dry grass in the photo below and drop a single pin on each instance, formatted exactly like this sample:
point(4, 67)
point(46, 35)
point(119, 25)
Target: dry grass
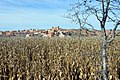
point(57, 59)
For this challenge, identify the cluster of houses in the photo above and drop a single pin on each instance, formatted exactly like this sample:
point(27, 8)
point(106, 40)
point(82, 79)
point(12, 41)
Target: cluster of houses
point(53, 32)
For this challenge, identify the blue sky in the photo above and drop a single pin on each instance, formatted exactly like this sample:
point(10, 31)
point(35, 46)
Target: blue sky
point(35, 14)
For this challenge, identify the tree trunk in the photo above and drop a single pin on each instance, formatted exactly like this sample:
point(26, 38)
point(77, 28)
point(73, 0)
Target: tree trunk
point(104, 58)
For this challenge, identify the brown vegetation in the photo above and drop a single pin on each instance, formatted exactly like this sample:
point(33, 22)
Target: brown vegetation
point(57, 59)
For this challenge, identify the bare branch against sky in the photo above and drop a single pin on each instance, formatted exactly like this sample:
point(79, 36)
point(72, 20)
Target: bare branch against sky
point(26, 14)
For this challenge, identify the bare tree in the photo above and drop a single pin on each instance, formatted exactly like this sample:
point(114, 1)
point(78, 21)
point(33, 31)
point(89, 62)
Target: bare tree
point(106, 12)
point(79, 17)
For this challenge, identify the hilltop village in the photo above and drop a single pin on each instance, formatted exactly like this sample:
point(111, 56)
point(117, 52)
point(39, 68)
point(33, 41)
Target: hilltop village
point(53, 32)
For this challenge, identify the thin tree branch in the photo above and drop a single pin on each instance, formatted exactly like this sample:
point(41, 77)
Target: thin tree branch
point(96, 14)
point(113, 33)
point(111, 19)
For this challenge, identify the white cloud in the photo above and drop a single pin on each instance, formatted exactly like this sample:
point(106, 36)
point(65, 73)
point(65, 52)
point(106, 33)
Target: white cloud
point(33, 14)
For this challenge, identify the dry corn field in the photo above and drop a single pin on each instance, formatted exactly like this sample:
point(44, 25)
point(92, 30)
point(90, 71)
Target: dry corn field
point(57, 59)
